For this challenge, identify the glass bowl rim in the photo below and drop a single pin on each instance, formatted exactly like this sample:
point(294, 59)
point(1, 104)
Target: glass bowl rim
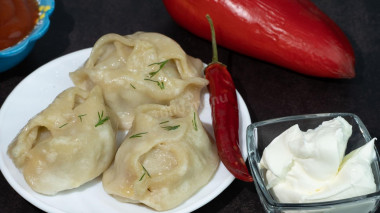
point(264, 194)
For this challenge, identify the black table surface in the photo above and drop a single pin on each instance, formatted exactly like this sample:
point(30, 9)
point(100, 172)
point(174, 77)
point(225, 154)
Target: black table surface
point(268, 90)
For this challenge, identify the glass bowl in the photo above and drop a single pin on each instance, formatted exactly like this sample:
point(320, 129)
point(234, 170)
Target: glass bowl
point(11, 56)
point(261, 134)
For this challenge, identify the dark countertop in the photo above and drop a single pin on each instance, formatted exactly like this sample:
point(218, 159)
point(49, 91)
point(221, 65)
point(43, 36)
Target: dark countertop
point(268, 90)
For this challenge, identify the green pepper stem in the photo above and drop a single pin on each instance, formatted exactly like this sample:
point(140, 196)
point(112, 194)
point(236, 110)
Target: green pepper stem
point(213, 40)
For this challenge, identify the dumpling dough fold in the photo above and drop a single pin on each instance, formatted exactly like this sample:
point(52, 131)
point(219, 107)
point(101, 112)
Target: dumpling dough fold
point(163, 160)
point(128, 69)
point(60, 148)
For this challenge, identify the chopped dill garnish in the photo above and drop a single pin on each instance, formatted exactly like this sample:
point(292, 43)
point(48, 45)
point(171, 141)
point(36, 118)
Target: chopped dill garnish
point(138, 135)
point(162, 64)
point(171, 127)
point(63, 125)
point(132, 86)
point(101, 119)
point(145, 172)
point(164, 122)
point(195, 123)
point(159, 83)
point(80, 116)
point(142, 176)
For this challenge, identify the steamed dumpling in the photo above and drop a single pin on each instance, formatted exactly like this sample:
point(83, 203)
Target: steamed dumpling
point(65, 145)
point(163, 160)
point(142, 68)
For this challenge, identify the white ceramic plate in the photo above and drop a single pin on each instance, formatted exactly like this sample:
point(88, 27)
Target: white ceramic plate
point(36, 92)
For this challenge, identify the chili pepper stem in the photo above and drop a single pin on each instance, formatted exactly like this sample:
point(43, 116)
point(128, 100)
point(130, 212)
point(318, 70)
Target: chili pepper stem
point(213, 40)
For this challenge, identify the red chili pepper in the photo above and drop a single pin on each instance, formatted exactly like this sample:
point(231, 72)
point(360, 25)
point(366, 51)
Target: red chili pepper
point(291, 33)
point(225, 114)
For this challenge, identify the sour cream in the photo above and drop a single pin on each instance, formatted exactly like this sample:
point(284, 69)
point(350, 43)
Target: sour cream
point(304, 167)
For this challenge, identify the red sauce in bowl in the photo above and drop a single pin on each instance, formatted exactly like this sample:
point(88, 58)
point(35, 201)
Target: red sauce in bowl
point(17, 20)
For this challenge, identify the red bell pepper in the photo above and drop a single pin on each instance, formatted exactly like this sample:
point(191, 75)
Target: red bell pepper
point(294, 34)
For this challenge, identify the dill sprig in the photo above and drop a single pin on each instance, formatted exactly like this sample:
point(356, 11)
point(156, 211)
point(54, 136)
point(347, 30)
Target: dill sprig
point(163, 122)
point(145, 173)
point(171, 127)
point(162, 64)
point(142, 176)
point(101, 119)
point(63, 125)
point(132, 86)
point(80, 117)
point(138, 135)
point(159, 83)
